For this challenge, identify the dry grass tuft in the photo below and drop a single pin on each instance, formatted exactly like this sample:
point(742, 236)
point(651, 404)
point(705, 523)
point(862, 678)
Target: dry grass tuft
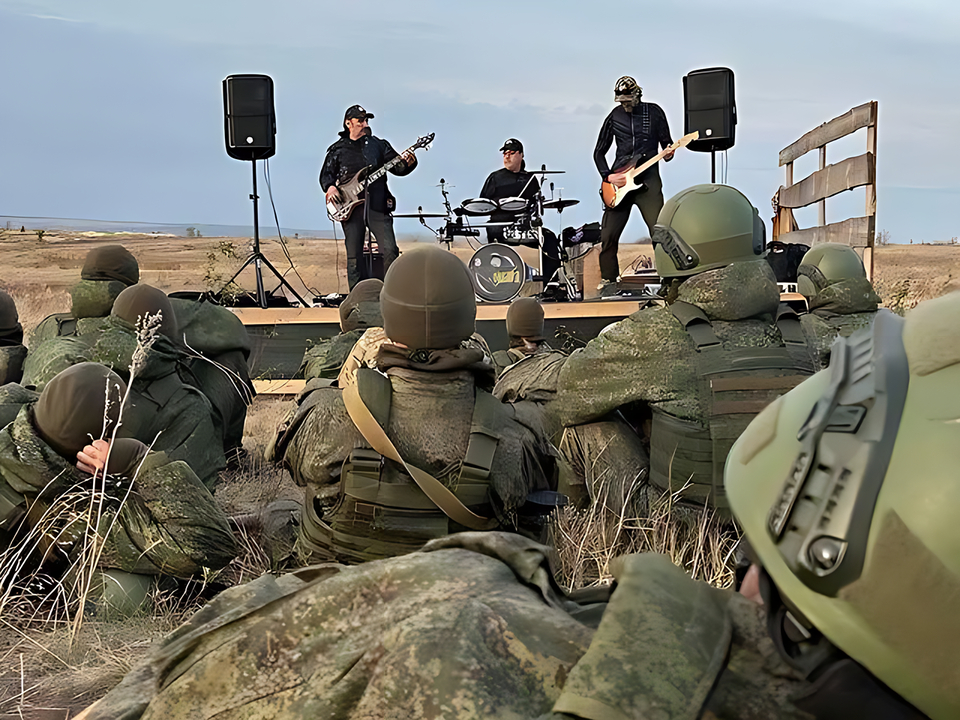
point(695, 539)
point(35, 302)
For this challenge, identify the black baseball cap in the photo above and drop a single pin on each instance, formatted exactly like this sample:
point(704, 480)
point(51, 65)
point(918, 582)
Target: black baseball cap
point(512, 144)
point(355, 111)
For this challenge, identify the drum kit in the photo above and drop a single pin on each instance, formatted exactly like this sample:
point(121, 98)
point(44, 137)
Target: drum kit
point(497, 270)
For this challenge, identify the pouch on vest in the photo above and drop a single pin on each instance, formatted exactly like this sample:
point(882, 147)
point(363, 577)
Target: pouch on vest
point(687, 456)
point(381, 511)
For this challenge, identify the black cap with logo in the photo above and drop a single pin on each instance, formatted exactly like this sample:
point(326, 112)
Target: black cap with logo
point(512, 144)
point(356, 111)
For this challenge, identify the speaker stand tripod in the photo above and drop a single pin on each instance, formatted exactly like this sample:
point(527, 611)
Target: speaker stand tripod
point(257, 257)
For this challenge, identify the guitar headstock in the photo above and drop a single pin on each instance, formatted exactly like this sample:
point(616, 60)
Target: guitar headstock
point(423, 142)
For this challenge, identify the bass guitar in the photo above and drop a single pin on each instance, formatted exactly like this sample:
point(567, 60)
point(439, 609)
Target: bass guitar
point(351, 192)
point(613, 195)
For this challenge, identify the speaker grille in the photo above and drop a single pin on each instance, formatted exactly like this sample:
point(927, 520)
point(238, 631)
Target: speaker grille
point(709, 107)
point(249, 120)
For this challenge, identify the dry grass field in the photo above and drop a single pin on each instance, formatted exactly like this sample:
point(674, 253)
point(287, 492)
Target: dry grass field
point(45, 673)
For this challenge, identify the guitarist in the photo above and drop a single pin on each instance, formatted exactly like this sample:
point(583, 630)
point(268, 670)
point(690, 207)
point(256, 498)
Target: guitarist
point(639, 128)
point(356, 149)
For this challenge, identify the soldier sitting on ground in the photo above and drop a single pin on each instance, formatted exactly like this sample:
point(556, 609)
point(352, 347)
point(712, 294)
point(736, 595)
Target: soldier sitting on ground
point(700, 368)
point(166, 521)
point(359, 310)
point(846, 614)
point(12, 350)
point(413, 449)
point(840, 299)
point(106, 271)
point(164, 412)
point(603, 460)
point(524, 334)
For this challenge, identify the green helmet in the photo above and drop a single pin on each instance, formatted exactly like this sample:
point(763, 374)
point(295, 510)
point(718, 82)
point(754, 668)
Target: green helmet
point(847, 489)
point(826, 264)
point(706, 227)
point(427, 300)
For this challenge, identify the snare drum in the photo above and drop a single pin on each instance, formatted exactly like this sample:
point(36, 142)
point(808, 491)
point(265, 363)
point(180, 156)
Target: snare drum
point(513, 204)
point(498, 272)
point(478, 207)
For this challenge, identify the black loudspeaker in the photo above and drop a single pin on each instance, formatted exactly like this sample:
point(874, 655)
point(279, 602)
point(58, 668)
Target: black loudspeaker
point(250, 124)
point(709, 107)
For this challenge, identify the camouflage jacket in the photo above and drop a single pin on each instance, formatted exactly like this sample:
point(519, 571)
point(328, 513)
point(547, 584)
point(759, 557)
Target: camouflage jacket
point(13, 397)
point(648, 356)
point(164, 412)
point(325, 358)
point(11, 363)
point(173, 417)
point(471, 626)
point(839, 310)
point(430, 425)
point(534, 378)
point(168, 524)
point(218, 335)
point(92, 301)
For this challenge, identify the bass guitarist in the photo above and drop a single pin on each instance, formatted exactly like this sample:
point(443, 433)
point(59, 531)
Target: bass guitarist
point(638, 128)
point(356, 149)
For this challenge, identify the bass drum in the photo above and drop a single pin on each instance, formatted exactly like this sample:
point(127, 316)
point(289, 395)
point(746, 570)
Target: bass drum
point(498, 273)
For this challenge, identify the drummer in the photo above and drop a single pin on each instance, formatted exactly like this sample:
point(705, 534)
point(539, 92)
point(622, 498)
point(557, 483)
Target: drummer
point(513, 181)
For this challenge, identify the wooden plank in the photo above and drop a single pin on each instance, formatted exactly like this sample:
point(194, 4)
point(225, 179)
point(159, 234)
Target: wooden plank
point(861, 116)
point(485, 311)
point(833, 179)
point(855, 232)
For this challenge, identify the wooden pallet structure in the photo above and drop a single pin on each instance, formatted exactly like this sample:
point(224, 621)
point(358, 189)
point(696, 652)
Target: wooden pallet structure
point(829, 180)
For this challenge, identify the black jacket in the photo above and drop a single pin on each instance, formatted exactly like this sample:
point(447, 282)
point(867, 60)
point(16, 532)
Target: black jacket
point(637, 134)
point(502, 184)
point(346, 157)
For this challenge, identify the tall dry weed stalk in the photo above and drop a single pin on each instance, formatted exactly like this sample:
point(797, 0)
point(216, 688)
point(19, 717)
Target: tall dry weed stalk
point(695, 539)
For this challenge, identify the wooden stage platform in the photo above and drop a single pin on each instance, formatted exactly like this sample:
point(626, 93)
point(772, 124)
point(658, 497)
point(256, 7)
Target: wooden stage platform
point(281, 335)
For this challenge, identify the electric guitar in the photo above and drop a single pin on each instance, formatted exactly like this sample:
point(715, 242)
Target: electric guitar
point(351, 192)
point(613, 195)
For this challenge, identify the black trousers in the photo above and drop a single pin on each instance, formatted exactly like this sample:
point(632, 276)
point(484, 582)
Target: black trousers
point(650, 202)
point(354, 229)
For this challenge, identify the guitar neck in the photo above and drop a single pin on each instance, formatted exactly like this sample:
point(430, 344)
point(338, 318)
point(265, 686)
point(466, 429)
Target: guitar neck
point(682, 142)
point(386, 167)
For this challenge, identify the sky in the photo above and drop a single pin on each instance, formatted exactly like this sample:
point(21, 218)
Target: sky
point(112, 110)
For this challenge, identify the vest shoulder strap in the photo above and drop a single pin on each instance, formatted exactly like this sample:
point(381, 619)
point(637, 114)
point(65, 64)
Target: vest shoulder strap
point(484, 438)
point(697, 325)
point(788, 322)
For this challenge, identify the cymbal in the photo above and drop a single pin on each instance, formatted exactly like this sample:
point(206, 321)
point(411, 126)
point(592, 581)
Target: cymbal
point(546, 172)
point(559, 204)
point(419, 215)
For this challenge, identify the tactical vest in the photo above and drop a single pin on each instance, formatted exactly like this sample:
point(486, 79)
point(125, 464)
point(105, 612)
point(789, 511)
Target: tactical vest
point(687, 456)
point(380, 509)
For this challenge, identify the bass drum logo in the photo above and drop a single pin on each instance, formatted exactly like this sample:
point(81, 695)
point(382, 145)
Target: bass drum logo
point(498, 272)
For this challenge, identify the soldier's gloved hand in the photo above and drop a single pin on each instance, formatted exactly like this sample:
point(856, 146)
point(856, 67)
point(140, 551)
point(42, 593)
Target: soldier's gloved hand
point(93, 458)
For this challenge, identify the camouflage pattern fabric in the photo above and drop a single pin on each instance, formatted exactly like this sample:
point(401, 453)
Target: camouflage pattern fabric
point(47, 360)
point(163, 411)
point(604, 461)
point(647, 356)
point(169, 523)
point(64, 325)
point(325, 358)
point(218, 335)
point(14, 396)
point(429, 423)
point(839, 310)
point(94, 298)
point(470, 626)
point(502, 359)
point(12, 358)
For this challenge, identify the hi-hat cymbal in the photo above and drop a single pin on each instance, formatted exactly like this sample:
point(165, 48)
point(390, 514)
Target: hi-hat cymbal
point(419, 215)
point(547, 172)
point(559, 204)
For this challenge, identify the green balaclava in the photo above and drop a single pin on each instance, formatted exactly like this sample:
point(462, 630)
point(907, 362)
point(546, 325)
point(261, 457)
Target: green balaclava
point(11, 332)
point(71, 409)
point(361, 308)
point(139, 301)
point(111, 262)
point(428, 301)
point(525, 319)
